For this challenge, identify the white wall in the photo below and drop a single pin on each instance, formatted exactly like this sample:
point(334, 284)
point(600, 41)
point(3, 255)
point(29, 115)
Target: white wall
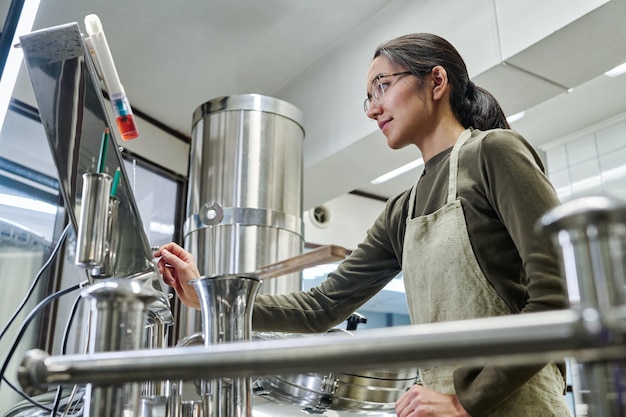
point(349, 218)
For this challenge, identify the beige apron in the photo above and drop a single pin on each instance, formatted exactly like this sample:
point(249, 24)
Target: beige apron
point(444, 282)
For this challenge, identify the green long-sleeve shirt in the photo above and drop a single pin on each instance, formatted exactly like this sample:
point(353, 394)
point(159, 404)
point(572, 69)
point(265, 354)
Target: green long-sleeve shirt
point(504, 191)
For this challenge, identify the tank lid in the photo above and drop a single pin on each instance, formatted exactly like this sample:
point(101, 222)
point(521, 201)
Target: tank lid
point(121, 289)
point(249, 102)
point(581, 212)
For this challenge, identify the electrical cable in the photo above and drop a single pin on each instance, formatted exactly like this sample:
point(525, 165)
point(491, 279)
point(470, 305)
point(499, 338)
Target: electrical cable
point(63, 348)
point(66, 333)
point(29, 318)
point(26, 397)
point(43, 399)
point(26, 322)
point(30, 291)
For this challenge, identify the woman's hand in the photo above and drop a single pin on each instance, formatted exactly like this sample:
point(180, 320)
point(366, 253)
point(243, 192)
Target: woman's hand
point(178, 267)
point(420, 401)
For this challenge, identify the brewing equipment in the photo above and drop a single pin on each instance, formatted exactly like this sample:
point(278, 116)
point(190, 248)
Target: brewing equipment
point(118, 320)
point(244, 207)
point(244, 212)
point(359, 391)
point(127, 298)
point(226, 305)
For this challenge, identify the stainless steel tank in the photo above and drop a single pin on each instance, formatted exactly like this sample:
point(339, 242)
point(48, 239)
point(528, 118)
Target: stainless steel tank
point(371, 392)
point(244, 206)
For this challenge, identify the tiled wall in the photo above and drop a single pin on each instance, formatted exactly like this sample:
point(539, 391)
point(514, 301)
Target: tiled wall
point(592, 163)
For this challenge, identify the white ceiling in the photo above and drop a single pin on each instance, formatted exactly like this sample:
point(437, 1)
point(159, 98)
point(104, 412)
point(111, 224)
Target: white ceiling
point(173, 56)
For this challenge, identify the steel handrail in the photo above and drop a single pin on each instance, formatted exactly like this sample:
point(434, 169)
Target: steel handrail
point(521, 339)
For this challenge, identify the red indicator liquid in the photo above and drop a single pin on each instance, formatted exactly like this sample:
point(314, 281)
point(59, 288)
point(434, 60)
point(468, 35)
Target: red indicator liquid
point(127, 127)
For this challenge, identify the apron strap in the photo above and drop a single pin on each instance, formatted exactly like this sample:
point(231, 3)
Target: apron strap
point(454, 164)
point(454, 169)
point(409, 215)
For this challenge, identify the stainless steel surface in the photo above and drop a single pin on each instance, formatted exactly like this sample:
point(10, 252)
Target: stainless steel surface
point(73, 113)
point(118, 318)
point(193, 409)
point(369, 391)
point(310, 389)
point(580, 212)
point(591, 235)
point(249, 102)
point(265, 406)
point(584, 335)
point(107, 269)
point(226, 304)
point(91, 235)
point(244, 207)
point(118, 314)
point(74, 116)
point(338, 389)
point(157, 335)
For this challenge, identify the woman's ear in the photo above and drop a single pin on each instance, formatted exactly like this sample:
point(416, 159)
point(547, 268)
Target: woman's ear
point(440, 82)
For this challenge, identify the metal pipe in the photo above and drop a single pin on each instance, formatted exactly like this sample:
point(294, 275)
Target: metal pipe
point(527, 338)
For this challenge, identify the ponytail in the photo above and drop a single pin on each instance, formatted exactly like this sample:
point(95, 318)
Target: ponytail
point(479, 109)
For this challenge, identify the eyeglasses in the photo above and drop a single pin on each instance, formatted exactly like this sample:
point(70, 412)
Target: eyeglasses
point(379, 88)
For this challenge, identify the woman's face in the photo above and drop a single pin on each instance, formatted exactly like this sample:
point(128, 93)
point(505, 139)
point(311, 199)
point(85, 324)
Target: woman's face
point(403, 112)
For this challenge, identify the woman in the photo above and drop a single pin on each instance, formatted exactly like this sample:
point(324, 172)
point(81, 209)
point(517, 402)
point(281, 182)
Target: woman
point(462, 236)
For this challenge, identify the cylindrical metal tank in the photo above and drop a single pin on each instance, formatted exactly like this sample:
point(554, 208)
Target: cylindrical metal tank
point(244, 206)
point(117, 321)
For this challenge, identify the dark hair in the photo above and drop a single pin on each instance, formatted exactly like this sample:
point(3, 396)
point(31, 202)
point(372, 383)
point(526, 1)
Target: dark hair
point(421, 52)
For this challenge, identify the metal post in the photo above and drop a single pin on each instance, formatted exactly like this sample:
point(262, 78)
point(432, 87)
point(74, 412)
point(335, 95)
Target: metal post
point(590, 233)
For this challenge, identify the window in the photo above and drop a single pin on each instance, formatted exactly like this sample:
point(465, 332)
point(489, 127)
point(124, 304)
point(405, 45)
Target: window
point(30, 203)
point(160, 199)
